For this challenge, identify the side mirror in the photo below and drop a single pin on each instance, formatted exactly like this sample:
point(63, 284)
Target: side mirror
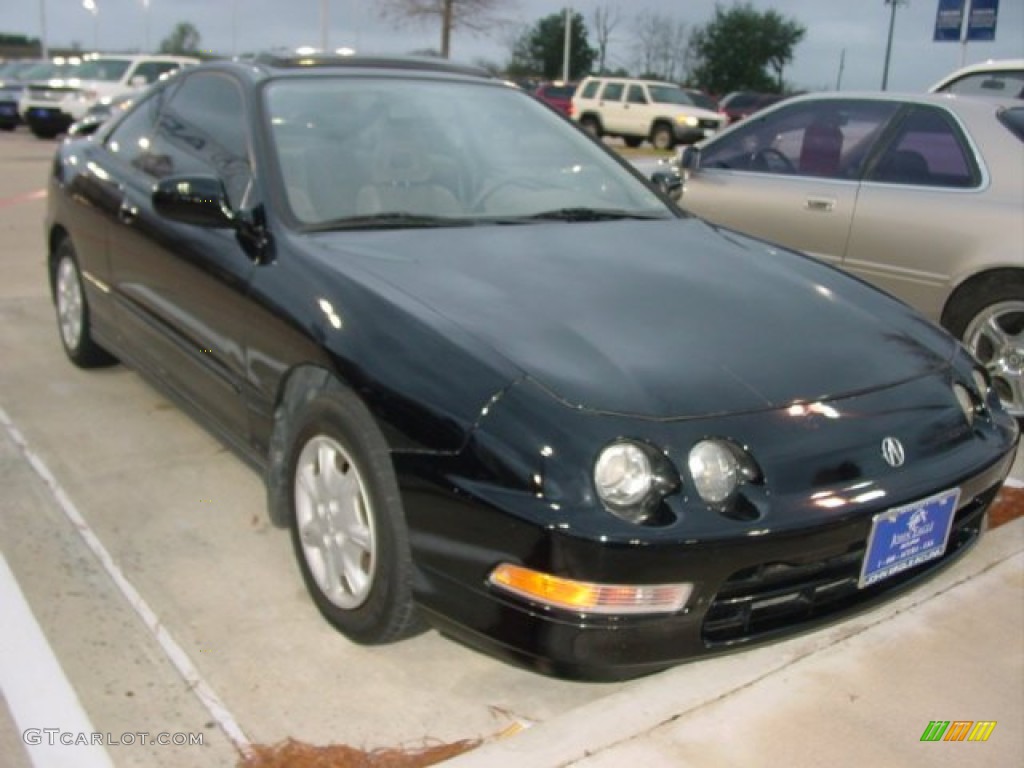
point(198, 200)
point(669, 183)
point(689, 159)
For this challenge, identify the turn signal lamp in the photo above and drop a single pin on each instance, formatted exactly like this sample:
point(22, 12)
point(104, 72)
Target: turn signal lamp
point(587, 597)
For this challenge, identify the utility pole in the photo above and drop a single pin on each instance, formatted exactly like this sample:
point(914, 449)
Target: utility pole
point(45, 50)
point(842, 65)
point(888, 45)
point(567, 45)
point(323, 25)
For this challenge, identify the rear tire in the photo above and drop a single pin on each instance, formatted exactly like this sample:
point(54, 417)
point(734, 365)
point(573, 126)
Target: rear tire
point(591, 125)
point(43, 133)
point(988, 317)
point(632, 141)
point(73, 319)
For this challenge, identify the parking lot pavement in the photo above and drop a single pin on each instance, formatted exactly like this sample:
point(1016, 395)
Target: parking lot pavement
point(197, 593)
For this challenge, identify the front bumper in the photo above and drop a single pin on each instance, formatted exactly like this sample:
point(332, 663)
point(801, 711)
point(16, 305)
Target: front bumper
point(747, 592)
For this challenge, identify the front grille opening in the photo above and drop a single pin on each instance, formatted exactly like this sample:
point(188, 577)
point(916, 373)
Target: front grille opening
point(774, 598)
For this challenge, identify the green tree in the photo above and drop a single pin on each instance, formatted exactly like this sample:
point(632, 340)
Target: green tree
point(183, 40)
point(540, 49)
point(744, 49)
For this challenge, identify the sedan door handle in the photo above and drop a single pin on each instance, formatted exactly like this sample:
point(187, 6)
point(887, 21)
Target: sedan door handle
point(128, 213)
point(822, 204)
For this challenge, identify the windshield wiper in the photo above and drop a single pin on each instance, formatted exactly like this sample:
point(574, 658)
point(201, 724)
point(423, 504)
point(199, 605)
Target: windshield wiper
point(592, 214)
point(392, 220)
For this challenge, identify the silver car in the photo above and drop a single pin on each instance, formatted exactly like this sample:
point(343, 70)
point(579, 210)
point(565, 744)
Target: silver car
point(922, 195)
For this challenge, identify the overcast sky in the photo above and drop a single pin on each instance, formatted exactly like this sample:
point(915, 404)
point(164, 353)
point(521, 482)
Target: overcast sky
point(857, 26)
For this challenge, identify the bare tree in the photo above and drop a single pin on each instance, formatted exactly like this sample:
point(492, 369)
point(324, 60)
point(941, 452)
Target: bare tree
point(605, 21)
point(474, 15)
point(660, 44)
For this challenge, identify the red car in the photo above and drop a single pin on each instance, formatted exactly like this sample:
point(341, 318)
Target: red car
point(558, 95)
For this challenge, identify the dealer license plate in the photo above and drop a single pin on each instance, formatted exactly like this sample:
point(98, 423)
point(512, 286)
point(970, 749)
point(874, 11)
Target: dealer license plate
point(907, 536)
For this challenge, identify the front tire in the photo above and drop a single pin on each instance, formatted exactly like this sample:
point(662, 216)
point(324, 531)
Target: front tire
point(347, 523)
point(988, 318)
point(73, 319)
point(663, 137)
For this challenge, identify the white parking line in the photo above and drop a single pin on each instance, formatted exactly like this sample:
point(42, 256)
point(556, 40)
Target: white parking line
point(174, 652)
point(38, 694)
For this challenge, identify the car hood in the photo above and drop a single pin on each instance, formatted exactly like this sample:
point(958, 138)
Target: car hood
point(660, 319)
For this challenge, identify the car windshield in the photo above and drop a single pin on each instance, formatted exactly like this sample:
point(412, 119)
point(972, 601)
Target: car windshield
point(382, 152)
point(668, 94)
point(109, 70)
point(44, 70)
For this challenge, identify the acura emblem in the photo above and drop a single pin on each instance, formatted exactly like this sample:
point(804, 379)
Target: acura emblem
point(892, 452)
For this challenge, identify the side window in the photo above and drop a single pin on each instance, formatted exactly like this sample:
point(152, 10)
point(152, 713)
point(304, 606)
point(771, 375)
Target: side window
point(928, 149)
point(590, 89)
point(829, 138)
point(636, 95)
point(131, 139)
point(1009, 84)
point(613, 91)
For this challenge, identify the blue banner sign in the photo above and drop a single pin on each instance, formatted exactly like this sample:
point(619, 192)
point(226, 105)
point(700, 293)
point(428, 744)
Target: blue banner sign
point(981, 24)
point(948, 21)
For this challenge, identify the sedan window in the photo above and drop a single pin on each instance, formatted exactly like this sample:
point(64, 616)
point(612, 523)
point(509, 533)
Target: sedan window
point(927, 150)
point(827, 138)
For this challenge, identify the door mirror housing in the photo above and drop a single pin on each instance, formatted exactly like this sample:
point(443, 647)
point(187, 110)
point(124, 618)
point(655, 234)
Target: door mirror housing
point(198, 200)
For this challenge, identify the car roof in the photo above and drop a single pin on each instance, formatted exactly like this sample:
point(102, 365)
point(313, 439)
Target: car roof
point(291, 63)
point(954, 102)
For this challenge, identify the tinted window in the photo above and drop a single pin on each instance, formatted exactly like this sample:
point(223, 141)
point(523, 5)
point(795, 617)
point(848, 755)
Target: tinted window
point(109, 70)
point(928, 149)
point(635, 95)
point(613, 91)
point(199, 128)
point(590, 89)
point(558, 91)
point(829, 138)
point(151, 70)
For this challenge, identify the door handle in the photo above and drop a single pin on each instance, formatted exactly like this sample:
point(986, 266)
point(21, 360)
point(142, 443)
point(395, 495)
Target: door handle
point(128, 213)
point(821, 204)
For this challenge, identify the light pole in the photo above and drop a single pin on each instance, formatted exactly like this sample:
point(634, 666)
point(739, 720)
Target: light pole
point(567, 44)
point(44, 48)
point(145, 7)
point(91, 7)
point(888, 45)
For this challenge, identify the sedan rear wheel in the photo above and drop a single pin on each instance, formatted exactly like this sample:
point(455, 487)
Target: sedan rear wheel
point(348, 526)
point(73, 312)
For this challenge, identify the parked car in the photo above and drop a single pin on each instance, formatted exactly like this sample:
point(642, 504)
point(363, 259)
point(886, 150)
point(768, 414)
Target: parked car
point(1000, 78)
point(557, 94)
point(920, 195)
point(50, 108)
point(740, 104)
point(642, 110)
point(517, 394)
point(14, 78)
point(702, 100)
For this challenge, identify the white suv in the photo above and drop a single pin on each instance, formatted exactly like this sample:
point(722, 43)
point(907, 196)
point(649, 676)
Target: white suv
point(639, 110)
point(999, 77)
point(48, 108)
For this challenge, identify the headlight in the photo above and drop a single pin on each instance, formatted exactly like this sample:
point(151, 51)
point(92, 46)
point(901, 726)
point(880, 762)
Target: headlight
point(686, 120)
point(623, 475)
point(966, 402)
point(631, 479)
point(718, 467)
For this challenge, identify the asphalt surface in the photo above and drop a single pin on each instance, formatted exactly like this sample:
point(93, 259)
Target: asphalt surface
point(143, 575)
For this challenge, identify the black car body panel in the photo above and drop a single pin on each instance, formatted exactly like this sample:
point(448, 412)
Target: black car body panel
point(499, 357)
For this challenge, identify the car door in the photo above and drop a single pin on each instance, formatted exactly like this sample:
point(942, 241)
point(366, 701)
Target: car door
point(636, 111)
point(911, 226)
point(182, 290)
point(790, 175)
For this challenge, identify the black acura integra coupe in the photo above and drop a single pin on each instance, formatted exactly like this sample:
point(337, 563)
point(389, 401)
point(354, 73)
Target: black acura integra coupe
point(497, 383)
